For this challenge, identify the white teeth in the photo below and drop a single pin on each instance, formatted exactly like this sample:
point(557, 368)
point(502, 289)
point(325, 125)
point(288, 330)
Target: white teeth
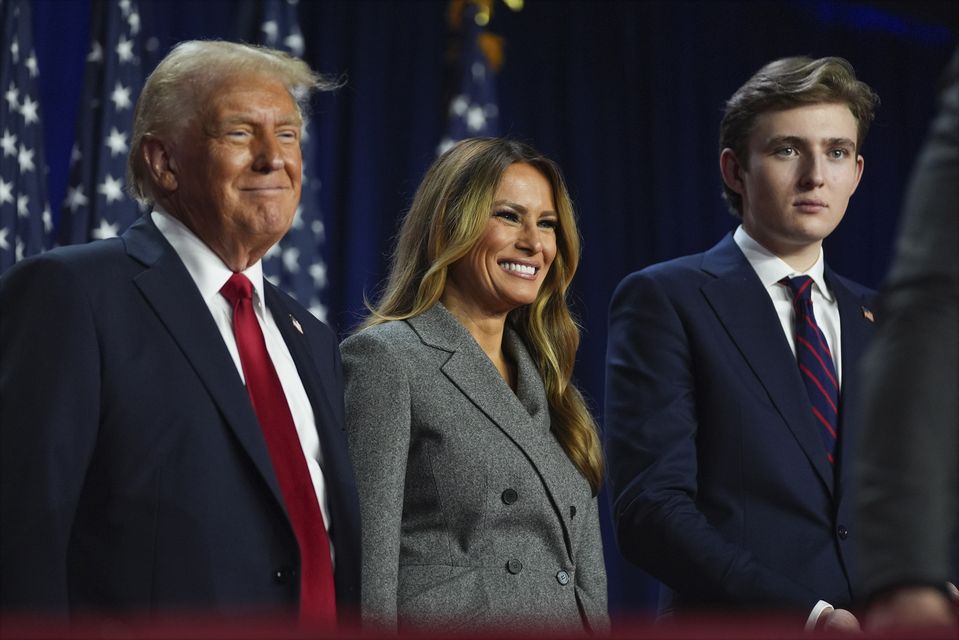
point(519, 268)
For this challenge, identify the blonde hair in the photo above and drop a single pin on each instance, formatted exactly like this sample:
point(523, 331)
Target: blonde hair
point(174, 93)
point(448, 216)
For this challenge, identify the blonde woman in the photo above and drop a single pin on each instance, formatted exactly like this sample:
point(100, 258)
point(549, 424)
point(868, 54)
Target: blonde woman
point(477, 461)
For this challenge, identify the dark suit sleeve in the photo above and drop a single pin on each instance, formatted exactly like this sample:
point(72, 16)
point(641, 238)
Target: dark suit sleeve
point(909, 453)
point(652, 423)
point(49, 416)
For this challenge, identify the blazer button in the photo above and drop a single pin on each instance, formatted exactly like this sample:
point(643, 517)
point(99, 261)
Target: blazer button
point(509, 496)
point(572, 511)
point(843, 532)
point(563, 578)
point(514, 566)
point(284, 575)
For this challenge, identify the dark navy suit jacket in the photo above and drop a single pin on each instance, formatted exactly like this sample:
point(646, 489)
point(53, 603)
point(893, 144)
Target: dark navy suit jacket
point(719, 479)
point(133, 473)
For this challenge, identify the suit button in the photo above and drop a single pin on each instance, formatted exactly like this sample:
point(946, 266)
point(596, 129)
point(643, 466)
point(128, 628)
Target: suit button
point(509, 496)
point(572, 511)
point(843, 532)
point(563, 578)
point(514, 566)
point(284, 575)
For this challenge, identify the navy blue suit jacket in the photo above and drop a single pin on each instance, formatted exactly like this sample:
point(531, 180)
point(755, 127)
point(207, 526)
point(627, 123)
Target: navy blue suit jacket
point(133, 473)
point(719, 479)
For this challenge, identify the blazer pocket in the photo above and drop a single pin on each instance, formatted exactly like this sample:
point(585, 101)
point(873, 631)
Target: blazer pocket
point(441, 597)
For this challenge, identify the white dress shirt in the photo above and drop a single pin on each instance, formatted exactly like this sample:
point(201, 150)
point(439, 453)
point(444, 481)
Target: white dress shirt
point(210, 274)
point(771, 269)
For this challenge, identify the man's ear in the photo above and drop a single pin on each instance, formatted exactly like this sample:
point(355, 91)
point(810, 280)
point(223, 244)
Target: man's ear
point(161, 165)
point(732, 170)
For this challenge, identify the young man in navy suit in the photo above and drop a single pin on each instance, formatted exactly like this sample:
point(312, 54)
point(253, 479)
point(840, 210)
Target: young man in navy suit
point(172, 432)
point(730, 408)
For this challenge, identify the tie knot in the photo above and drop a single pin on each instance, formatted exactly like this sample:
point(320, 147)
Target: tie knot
point(801, 287)
point(238, 287)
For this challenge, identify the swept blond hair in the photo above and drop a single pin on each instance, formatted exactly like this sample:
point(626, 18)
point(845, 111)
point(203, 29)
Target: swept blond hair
point(448, 216)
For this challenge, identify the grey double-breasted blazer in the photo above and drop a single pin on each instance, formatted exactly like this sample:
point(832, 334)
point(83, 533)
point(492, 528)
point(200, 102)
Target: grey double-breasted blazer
point(472, 514)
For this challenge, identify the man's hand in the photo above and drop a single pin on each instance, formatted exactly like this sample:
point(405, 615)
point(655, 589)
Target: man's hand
point(910, 607)
point(838, 620)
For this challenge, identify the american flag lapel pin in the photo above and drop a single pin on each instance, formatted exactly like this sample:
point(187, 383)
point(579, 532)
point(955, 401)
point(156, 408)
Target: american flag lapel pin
point(299, 327)
point(867, 314)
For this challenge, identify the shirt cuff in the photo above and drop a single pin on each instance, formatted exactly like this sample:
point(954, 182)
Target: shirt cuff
point(816, 612)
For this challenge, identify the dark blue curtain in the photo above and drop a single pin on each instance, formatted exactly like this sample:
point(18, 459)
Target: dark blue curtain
point(626, 96)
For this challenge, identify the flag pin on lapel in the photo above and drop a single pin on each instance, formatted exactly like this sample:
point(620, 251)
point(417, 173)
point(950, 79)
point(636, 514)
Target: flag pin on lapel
point(299, 327)
point(866, 313)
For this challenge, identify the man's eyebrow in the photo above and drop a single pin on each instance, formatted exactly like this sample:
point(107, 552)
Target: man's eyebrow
point(840, 142)
point(795, 141)
point(244, 118)
point(798, 141)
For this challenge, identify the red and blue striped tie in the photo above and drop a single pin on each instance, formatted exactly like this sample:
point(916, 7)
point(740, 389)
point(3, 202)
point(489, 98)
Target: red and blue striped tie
point(816, 364)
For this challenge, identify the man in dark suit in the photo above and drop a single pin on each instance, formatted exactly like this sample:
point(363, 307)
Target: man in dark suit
point(172, 424)
point(730, 407)
point(909, 462)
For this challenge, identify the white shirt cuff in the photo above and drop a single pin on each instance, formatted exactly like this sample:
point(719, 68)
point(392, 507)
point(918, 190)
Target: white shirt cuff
point(816, 612)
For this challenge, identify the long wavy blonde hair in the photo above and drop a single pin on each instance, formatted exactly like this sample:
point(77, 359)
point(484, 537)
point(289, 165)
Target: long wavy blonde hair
point(448, 216)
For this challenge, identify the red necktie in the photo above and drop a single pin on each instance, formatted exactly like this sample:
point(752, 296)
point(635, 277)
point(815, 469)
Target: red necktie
point(317, 594)
point(815, 364)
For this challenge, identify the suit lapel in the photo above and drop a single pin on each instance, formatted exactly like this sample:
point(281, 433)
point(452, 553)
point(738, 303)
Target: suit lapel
point(475, 376)
point(332, 447)
point(855, 329)
point(168, 288)
point(742, 305)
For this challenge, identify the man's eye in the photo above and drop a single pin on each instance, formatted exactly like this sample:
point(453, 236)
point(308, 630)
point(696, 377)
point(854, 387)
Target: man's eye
point(786, 152)
point(839, 154)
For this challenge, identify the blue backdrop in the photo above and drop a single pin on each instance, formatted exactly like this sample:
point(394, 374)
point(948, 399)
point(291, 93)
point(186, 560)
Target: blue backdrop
point(626, 96)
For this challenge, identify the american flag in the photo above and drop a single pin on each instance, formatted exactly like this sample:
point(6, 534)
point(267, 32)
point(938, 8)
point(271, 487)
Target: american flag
point(296, 263)
point(473, 110)
point(25, 219)
point(97, 205)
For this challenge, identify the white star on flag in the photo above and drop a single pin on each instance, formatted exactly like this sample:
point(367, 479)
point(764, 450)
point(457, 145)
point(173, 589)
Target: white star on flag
point(25, 159)
point(111, 188)
point(105, 230)
point(6, 191)
point(8, 143)
point(117, 141)
point(121, 97)
point(29, 110)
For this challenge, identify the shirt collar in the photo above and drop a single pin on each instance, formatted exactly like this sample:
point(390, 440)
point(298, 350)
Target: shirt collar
point(206, 268)
point(771, 269)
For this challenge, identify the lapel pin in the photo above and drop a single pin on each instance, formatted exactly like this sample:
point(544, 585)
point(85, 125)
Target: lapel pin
point(867, 314)
point(299, 327)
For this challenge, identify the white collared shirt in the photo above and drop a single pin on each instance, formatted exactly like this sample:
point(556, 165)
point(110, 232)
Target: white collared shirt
point(210, 274)
point(771, 269)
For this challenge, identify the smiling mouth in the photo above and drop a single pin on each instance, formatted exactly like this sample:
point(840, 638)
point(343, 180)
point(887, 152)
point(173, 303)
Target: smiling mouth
point(520, 269)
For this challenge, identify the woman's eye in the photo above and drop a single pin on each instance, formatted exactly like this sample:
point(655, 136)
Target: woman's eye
point(549, 223)
point(506, 215)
